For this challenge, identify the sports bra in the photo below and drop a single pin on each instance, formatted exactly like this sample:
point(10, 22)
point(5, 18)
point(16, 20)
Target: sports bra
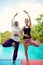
point(27, 31)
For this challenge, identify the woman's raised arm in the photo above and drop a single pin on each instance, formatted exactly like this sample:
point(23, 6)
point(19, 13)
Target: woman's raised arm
point(14, 18)
point(28, 17)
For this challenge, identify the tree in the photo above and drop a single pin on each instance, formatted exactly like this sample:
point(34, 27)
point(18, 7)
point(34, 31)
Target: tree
point(37, 30)
point(4, 36)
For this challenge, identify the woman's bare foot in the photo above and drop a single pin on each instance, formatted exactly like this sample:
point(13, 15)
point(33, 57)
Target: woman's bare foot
point(28, 62)
point(13, 62)
point(13, 44)
point(38, 42)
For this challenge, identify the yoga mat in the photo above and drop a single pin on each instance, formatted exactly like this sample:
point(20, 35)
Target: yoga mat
point(33, 62)
point(9, 62)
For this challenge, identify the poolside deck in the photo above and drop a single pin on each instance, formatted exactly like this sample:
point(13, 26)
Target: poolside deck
point(19, 62)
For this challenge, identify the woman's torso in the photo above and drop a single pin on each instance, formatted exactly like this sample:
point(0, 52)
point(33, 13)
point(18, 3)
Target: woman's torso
point(15, 30)
point(27, 31)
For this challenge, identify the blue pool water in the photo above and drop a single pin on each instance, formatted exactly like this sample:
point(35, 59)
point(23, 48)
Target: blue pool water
point(34, 53)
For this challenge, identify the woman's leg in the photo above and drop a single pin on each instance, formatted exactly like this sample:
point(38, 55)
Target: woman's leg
point(8, 43)
point(32, 42)
point(26, 48)
point(15, 51)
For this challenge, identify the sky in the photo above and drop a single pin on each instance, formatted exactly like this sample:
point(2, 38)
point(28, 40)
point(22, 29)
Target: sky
point(9, 7)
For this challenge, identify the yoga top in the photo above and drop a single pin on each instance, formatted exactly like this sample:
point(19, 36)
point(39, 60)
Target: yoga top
point(27, 31)
point(15, 30)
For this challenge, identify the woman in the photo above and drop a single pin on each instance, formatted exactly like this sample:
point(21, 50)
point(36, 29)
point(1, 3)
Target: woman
point(26, 30)
point(14, 40)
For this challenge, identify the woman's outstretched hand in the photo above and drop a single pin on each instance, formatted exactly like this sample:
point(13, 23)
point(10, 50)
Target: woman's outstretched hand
point(16, 35)
point(26, 35)
point(26, 12)
point(16, 14)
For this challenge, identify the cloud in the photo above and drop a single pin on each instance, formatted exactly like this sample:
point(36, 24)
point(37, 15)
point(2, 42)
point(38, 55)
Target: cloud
point(34, 10)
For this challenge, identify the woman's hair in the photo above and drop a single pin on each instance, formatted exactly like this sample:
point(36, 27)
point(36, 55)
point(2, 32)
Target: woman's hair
point(16, 23)
point(26, 19)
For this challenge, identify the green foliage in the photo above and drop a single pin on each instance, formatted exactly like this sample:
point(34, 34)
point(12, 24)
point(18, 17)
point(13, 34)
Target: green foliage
point(5, 36)
point(40, 18)
point(37, 30)
point(21, 39)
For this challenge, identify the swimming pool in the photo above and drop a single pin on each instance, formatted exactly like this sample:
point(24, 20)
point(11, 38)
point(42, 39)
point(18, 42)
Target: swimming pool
point(34, 53)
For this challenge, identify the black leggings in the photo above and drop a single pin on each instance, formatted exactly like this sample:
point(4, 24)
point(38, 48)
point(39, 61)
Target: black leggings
point(8, 43)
